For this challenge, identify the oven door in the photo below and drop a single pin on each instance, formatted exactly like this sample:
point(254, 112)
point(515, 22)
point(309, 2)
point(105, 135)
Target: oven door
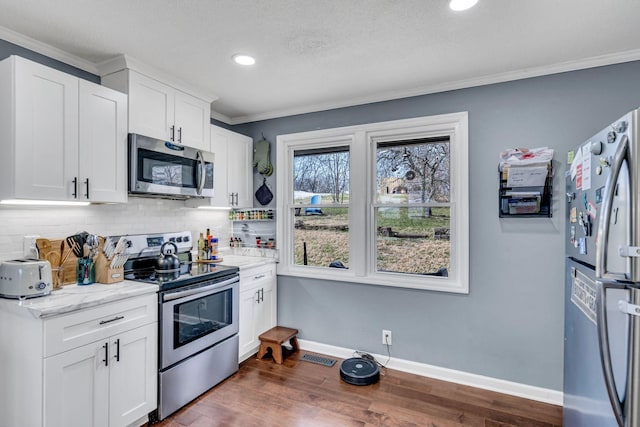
point(196, 317)
point(163, 168)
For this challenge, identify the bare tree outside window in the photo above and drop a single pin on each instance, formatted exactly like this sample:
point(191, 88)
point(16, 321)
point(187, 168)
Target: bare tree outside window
point(321, 189)
point(412, 212)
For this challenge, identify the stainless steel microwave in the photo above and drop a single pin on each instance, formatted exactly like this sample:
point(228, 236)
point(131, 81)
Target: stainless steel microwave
point(165, 169)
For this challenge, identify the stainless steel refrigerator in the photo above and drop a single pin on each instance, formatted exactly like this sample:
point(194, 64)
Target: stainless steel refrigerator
point(602, 283)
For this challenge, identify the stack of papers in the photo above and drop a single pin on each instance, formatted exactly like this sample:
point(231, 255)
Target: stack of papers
point(524, 167)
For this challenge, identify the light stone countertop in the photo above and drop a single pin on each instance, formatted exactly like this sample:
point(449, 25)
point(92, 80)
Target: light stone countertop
point(73, 297)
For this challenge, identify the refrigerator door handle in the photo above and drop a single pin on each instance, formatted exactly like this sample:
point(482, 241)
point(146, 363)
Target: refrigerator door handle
point(605, 352)
point(605, 219)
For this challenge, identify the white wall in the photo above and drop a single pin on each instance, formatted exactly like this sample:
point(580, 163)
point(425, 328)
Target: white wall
point(138, 216)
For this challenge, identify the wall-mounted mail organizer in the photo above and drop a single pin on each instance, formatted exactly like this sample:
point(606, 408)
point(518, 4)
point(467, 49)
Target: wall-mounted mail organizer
point(525, 191)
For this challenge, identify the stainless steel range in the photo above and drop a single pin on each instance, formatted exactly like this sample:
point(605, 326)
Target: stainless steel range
point(198, 317)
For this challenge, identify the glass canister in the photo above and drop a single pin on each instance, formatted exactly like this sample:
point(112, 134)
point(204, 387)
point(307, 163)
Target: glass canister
point(85, 271)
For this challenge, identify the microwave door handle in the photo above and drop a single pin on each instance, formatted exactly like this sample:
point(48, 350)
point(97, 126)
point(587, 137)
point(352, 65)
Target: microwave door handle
point(607, 204)
point(200, 174)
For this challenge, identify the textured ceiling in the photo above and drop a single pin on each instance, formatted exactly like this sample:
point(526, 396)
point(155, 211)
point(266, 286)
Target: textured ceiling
point(319, 54)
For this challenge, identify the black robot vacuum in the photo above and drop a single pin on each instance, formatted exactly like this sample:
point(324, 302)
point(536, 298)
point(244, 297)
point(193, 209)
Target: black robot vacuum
point(359, 371)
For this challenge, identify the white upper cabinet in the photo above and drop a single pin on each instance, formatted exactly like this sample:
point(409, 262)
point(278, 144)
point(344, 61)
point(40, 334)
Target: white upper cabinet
point(62, 137)
point(103, 143)
point(160, 111)
point(233, 171)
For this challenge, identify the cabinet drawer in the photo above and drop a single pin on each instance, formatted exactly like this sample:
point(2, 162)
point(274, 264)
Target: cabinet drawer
point(81, 327)
point(252, 275)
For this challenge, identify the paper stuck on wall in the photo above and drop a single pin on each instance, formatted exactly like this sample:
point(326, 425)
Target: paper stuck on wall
point(532, 176)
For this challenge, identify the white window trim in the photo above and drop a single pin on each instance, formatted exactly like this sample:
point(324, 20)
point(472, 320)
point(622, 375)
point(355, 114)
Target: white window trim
point(362, 140)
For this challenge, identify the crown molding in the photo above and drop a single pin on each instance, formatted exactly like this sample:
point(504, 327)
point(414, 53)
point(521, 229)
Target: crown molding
point(121, 62)
point(47, 50)
point(562, 67)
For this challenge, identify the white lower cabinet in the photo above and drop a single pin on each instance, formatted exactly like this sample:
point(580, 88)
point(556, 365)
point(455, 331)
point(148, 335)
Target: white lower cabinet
point(95, 367)
point(258, 306)
point(106, 383)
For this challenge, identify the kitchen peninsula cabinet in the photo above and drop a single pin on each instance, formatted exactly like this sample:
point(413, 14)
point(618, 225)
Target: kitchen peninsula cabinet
point(258, 306)
point(63, 138)
point(233, 170)
point(91, 367)
point(160, 111)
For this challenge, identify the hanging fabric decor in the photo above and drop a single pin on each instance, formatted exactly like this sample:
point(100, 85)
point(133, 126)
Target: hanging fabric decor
point(261, 160)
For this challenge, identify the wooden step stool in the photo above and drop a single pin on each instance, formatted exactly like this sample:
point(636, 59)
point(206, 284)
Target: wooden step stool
point(274, 338)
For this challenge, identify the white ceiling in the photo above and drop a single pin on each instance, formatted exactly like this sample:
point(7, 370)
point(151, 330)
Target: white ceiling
point(318, 54)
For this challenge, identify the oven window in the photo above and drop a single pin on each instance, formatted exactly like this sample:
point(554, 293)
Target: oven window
point(201, 316)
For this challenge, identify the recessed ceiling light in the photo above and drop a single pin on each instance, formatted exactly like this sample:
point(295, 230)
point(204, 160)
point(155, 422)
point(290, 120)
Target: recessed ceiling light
point(243, 59)
point(459, 5)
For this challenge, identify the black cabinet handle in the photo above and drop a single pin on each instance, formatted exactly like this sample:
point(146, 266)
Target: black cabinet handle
point(102, 322)
point(86, 182)
point(75, 187)
point(118, 350)
point(106, 354)
point(173, 133)
point(180, 135)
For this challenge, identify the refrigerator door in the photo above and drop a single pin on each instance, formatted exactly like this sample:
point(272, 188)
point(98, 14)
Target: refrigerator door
point(586, 402)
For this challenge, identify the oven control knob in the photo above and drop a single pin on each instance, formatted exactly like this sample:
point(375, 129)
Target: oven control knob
point(179, 239)
point(185, 239)
point(172, 239)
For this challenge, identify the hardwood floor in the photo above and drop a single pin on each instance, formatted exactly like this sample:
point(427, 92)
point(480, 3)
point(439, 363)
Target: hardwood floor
point(303, 394)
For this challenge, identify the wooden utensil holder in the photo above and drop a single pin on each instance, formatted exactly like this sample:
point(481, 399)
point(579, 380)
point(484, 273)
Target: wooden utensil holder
point(67, 260)
point(106, 274)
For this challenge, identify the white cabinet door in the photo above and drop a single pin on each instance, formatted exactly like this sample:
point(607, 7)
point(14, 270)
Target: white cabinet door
point(46, 132)
point(248, 340)
point(76, 387)
point(133, 390)
point(266, 317)
point(219, 147)
point(151, 107)
point(192, 121)
point(103, 144)
point(258, 304)
point(240, 170)
point(233, 170)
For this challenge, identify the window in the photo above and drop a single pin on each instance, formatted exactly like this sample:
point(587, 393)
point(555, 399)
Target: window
point(383, 203)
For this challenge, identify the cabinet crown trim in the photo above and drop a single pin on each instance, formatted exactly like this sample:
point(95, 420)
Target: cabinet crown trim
point(122, 62)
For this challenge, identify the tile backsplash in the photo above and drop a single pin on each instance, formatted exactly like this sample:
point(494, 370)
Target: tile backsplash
point(139, 215)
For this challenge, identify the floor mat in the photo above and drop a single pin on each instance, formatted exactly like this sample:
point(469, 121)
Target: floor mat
point(318, 359)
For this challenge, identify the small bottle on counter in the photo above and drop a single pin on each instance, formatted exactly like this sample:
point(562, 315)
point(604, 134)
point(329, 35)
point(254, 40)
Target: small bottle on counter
point(201, 251)
point(271, 244)
point(214, 248)
point(258, 242)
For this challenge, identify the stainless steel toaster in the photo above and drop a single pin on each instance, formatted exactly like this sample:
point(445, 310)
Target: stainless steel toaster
point(25, 278)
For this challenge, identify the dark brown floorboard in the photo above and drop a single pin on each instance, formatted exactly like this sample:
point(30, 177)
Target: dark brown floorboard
point(303, 394)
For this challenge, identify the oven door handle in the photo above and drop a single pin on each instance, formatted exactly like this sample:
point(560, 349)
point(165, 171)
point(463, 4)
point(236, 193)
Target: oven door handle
point(170, 296)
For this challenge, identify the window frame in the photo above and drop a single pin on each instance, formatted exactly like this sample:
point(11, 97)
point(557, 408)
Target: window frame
point(362, 141)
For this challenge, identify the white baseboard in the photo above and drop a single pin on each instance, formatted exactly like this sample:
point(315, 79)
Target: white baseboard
point(540, 394)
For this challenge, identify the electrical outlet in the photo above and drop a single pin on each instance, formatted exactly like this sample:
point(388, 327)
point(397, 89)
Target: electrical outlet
point(29, 249)
point(386, 337)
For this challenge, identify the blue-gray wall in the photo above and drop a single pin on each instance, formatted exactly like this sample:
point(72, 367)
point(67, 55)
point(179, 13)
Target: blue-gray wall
point(510, 326)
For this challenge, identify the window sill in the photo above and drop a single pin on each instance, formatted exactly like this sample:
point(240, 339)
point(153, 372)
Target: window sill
point(399, 280)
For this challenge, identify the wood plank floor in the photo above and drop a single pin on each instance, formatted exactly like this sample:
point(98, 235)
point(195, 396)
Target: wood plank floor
point(303, 394)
